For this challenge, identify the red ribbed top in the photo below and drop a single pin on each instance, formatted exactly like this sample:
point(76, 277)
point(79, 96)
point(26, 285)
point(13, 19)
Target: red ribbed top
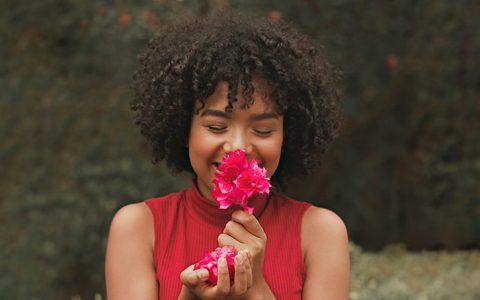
point(187, 226)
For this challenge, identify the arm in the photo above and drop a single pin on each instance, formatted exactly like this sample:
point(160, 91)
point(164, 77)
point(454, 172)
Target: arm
point(129, 266)
point(326, 256)
point(244, 232)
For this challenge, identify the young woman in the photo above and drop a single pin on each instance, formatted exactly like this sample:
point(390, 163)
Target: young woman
point(205, 88)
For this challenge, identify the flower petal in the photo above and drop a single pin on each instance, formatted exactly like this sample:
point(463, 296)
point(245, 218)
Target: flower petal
point(238, 179)
point(210, 262)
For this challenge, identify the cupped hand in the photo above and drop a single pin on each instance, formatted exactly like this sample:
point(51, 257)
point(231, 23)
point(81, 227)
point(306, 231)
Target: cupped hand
point(245, 233)
point(196, 284)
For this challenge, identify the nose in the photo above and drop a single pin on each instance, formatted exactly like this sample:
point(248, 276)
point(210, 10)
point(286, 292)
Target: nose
point(237, 140)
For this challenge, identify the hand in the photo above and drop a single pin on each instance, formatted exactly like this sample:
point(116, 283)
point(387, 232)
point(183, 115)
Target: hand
point(195, 283)
point(245, 233)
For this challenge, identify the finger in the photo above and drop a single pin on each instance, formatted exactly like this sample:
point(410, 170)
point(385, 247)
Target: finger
point(248, 267)
point(226, 240)
point(239, 232)
point(192, 278)
point(223, 283)
point(249, 255)
point(240, 281)
point(250, 223)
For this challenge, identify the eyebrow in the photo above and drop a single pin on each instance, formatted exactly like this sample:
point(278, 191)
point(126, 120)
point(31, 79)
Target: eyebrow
point(214, 113)
point(223, 114)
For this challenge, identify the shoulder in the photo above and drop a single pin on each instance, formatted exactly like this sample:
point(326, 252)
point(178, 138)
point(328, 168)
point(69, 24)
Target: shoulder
point(326, 254)
point(322, 229)
point(130, 253)
point(324, 224)
point(132, 215)
point(133, 222)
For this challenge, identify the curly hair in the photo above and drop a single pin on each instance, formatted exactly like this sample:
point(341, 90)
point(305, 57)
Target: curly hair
point(185, 62)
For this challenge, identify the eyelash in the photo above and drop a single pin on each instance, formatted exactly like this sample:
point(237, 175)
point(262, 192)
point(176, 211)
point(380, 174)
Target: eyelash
point(221, 129)
point(263, 132)
point(216, 129)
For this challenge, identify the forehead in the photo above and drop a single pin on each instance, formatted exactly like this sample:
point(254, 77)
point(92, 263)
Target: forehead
point(262, 100)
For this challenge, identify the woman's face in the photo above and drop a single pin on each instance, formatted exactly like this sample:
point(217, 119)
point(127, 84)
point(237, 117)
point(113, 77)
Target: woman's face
point(258, 130)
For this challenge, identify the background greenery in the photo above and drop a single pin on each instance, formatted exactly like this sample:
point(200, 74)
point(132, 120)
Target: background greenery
point(406, 168)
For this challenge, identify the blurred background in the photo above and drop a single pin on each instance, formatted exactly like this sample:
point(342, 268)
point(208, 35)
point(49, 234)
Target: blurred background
point(405, 170)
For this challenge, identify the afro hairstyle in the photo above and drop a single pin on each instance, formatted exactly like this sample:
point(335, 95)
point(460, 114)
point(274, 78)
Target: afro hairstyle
point(185, 62)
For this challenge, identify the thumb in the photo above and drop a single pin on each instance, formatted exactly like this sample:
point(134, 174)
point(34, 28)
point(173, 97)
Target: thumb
point(192, 278)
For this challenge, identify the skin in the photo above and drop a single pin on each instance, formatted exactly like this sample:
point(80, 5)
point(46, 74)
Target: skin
point(259, 131)
point(213, 133)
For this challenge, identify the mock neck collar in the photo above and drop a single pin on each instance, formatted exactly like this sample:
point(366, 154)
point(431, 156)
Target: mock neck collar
point(206, 211)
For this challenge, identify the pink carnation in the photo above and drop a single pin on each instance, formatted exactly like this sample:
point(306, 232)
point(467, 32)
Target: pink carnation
point(237, 180)
point(210, 262)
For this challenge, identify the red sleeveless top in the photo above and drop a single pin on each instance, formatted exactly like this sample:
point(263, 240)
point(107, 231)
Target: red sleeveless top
point(187, 226)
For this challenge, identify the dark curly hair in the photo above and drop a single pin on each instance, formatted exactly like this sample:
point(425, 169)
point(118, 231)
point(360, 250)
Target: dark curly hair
point(185, 62)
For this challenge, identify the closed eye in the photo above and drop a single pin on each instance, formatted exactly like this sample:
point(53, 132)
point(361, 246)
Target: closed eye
point(263, 132)
point(216, 128)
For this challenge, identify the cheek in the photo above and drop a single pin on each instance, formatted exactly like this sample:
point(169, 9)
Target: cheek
point(194, 144)
point(196, 134)
point(271, 153)
point(201, 145)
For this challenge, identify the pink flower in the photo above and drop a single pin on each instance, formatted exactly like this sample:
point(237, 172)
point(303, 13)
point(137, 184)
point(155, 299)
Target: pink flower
point(210, 262)
point(237, 180)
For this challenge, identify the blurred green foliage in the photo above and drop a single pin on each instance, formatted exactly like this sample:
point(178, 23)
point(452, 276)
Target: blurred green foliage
point(406, 168)
point(396, 273)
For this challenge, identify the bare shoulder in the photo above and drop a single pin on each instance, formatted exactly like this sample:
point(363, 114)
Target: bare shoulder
point(131, 232)
point(130, 254)
point(132, 217)
point(320, 223)
point(326, 255)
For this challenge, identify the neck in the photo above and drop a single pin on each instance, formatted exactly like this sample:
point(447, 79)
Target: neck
point(204, 190)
